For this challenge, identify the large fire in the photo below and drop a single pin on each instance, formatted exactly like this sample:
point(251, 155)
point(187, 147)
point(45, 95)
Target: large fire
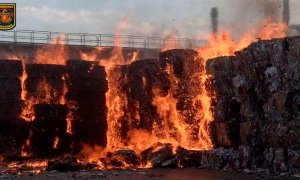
point(55, 54)
point(224, 44)
point(173, 128)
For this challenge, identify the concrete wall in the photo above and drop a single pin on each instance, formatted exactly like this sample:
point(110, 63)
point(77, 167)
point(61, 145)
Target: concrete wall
point(29, 51)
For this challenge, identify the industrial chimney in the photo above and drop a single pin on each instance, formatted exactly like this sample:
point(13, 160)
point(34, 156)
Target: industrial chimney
point(214, 19)
point(286, 12)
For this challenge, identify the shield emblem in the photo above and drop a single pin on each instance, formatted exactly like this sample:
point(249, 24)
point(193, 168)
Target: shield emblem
point(7, 16)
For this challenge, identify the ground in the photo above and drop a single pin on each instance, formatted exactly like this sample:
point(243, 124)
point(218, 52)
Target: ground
point(143, 174)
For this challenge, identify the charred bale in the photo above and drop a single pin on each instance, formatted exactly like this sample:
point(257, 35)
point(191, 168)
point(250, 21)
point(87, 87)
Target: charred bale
point(160, 155)
point(188, 158)
point(86, 90)
point(13, 130)
point(49, 126)
point(65, 164)
point(45, 80)
point(123, 159)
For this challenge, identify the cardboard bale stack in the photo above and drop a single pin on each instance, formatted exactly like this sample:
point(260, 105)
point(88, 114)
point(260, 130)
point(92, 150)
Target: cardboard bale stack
point(226, 125)
point(13, 130)
point(45, 85)
point(86, 90)
point(49, 126)
point(187, 69)
point(134, 84)
point(264, 85)
point(39, 76)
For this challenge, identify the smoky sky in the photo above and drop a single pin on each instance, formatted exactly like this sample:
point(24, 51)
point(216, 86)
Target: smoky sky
point(182, 18)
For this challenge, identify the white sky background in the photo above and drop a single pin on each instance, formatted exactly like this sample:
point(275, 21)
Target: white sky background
point(185, 18)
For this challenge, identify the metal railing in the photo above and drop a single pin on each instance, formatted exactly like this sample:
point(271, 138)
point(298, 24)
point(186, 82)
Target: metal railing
point(85, 39)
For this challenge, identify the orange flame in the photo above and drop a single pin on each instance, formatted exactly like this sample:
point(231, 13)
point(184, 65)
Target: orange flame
point(93, 56)
point(55, 143)
point(23, 78)
point(55, 53)
point(225, 45)
point(174, 129)
point(26, 146)
point(44, 94)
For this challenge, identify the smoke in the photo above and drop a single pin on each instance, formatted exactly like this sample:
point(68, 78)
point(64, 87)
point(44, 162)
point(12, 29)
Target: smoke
point(214, 19)
point(286, 12)
point(260, 9)
point(243, 15)
point(271, 8)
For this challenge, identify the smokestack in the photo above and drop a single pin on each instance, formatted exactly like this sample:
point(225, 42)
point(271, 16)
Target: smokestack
point(214, 19)
point(286, 11)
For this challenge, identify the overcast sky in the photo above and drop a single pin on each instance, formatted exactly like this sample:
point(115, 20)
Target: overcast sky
point(186, 18)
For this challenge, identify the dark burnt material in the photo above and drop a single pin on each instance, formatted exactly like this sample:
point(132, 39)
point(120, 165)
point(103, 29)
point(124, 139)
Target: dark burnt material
point(50, 126)
point(13, 130)
point(87, 86)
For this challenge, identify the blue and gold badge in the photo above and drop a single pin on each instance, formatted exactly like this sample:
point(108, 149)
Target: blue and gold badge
point(7, 16)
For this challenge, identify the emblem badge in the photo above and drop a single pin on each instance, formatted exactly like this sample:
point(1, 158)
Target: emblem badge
point(7, 16)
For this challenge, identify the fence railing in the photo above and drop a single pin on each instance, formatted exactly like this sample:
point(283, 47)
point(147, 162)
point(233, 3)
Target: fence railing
point(85, 39)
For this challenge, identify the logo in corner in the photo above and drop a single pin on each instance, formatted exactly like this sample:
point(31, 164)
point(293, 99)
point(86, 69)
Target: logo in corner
point(7, 16)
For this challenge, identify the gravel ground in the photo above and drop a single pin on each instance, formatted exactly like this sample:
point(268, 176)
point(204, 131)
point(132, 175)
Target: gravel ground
point(142, 174)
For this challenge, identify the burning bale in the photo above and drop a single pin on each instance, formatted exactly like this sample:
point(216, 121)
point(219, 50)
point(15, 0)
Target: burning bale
point(49, 135)
point(160, 100)
point(13, 130)
point(86, 91)
point(42, 95)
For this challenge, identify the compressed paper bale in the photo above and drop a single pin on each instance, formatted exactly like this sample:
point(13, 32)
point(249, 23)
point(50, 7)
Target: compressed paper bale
point(87, 86)
point(13, 134)
point(49, 123)
point(45, 70)
point(10, 68)
point(85, 69)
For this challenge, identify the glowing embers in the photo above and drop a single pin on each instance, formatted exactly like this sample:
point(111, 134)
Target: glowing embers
point(34, 166)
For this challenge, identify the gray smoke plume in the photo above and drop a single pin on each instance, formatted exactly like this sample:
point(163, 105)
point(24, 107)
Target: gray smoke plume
point(260, 9)
point(244, 15)
point(271, 8)
point(214, 19)
point(286, 11)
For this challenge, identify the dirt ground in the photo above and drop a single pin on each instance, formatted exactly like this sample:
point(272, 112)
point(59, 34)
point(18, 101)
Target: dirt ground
point(143, 174)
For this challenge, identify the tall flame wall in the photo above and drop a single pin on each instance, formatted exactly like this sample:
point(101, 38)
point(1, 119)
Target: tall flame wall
point(86, 87)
